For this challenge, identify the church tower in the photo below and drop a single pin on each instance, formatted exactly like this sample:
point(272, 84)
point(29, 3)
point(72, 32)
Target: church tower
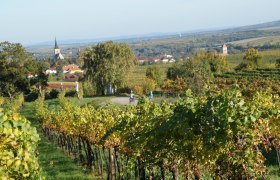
point(225, 50)
point(57, 53)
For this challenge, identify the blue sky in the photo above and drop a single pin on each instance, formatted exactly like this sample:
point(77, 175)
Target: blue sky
point(32, 21)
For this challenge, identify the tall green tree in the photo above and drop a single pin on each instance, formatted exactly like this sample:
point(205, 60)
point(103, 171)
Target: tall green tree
point(212, 62)
point(252, 55)
point(16, 66)
point(251, 60)
point(156, 74)
point(107, 64)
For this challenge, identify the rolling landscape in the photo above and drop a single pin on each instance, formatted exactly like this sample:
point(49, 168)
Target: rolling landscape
point(262, 36)
point(142, 90)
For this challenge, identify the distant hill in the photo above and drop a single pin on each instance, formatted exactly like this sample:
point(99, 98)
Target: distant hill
point(255, 27)
point(179, 44)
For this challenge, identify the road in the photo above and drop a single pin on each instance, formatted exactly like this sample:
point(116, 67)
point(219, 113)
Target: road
point(123, 100)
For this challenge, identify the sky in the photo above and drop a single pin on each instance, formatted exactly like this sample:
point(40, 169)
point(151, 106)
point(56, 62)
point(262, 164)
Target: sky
point(34, 21)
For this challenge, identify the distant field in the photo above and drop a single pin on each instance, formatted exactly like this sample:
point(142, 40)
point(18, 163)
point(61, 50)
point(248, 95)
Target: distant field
point(268, 58)
point(270, 28)
point(258, 41)
point(137, 76)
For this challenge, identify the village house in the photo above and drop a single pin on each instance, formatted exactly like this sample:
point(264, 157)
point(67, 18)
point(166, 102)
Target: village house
point(71, 69)
point(167, 59)
point(144, 59)
point(51, 70)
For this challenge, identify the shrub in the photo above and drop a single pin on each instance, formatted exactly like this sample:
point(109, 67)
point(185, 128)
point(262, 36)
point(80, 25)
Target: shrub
point(137, 89)
point(18, 142)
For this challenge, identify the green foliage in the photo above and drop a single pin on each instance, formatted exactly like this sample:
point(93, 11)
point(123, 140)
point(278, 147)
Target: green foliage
point(16, 103)
point(88, 88)
point(177, 86)
point(222, 132)
point(251, 60)
point(155, 73)
point(138, 89)
point(196, 72)
point(212, 61)
point(18, 142)
point(149, 85)
point(16, 64)
point(107, 63)
point(252, 55)
point(277, 64)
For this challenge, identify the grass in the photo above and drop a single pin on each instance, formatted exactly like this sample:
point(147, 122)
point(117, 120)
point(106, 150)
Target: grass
point(54, 163)
point(273, 173)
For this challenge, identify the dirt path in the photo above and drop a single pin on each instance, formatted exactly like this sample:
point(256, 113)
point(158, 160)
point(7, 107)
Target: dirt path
point(123, 100)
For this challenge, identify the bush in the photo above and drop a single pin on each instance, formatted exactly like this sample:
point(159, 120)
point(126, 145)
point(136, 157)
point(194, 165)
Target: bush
point(137, 89)
point(89, 89)
point(31, 96)
point(277, 64)
point(52, 94)
point(149, 85)
point(18, 142)
point(71, 93)
point(124, 90)
point(245, 66)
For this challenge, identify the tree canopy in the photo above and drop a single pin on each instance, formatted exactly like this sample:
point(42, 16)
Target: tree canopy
point(198, 70)
point(107, 64)
point(250, 60)
point(16, 65)
point(155, 73)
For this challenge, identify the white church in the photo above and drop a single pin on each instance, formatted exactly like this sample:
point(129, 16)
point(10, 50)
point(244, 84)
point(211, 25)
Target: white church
point(57, 53)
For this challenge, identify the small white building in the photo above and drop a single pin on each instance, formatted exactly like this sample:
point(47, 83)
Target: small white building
point(225, 50)
point(51, 70)
point(167, 59)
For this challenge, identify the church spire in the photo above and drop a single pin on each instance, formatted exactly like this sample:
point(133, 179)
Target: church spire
point(55, 45)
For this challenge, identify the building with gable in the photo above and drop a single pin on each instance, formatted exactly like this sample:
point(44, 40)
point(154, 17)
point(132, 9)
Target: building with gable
point(71, 69)
point(57, 53)
point(224, 50)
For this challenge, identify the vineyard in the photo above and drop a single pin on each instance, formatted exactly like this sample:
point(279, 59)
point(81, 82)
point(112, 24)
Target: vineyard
point(18, 143)
point(220, 135)
point(260, 73)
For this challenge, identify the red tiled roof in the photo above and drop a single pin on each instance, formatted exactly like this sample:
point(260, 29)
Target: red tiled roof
point(71, 67)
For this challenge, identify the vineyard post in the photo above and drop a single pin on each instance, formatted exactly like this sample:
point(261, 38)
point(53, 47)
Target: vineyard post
point(117, 162)
point(136, 170)
point(111, 171)
point(278, 156)
point(101, 161)
point(162, 170)
point(175, 172)
point(81, 157)
point(152, 173)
